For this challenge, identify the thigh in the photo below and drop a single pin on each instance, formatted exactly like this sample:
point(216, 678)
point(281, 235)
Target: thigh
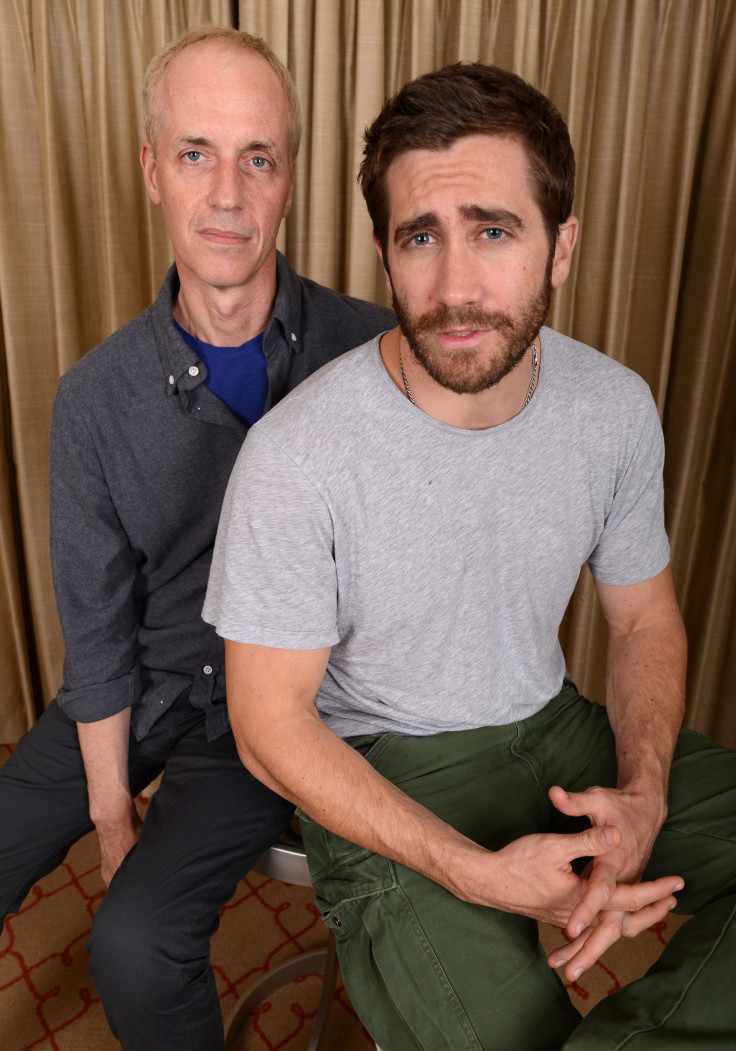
point(205, 826)
point(44, 805)
point(44, 799)
point(424, 969)
point(698, 839)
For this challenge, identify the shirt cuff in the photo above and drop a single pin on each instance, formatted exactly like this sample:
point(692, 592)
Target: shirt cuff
point(100, 700)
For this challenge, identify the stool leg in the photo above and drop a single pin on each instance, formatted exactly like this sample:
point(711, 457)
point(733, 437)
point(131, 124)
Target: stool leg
point(302, 964)
point(328, 991)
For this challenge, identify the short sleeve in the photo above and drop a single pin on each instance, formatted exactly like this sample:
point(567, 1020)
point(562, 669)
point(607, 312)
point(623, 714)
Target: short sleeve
point(273, 579)
point(633, 545)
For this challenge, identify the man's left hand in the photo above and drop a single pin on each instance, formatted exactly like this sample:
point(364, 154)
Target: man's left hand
point(639, 816)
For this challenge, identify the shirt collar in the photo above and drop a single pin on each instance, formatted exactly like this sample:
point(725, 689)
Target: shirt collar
point(182, 369)
point(180, 364)
point(287, 307)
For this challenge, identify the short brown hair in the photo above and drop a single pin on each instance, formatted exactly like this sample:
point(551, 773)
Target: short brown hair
point(233, 38)
point(471, 98)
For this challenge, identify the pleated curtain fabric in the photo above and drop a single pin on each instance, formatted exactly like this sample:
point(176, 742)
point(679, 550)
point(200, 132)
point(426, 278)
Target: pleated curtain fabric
point(648, 88)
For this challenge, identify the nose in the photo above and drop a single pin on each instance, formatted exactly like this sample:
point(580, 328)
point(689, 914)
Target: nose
point(458, 275)
point(226, 189)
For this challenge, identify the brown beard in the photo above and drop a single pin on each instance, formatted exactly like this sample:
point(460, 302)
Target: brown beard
point(471, 371)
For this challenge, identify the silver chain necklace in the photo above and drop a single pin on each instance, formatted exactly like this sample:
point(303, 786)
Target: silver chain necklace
point(533, 380)
point(407, 388)
point(530, 389)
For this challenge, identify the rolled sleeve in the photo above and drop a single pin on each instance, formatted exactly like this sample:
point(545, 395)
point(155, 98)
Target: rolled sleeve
point(88, 704)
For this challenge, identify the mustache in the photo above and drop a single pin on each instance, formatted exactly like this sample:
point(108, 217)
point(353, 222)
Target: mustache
point(448, 319)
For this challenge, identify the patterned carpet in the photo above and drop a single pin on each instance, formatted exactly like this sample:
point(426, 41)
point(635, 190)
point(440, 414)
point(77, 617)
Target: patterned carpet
point(47, 1001)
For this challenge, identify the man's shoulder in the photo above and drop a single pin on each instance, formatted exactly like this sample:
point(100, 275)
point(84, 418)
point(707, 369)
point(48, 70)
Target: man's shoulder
point(580, 367)
point(124, 358)
point(321, 298)
point(118, 359)
point(605, 405)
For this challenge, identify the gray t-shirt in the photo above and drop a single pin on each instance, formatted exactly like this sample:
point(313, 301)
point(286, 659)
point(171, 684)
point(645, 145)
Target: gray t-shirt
point(436, 562)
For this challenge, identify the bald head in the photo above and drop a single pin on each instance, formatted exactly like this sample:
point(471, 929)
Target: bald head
point(224, 41)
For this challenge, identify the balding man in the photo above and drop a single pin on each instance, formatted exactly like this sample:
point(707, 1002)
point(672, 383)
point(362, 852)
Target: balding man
point(146, 429)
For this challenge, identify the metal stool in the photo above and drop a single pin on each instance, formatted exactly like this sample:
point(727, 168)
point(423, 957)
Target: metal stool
point(286, 861)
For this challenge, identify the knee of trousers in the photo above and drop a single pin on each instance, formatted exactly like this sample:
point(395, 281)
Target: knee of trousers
point(138, 958)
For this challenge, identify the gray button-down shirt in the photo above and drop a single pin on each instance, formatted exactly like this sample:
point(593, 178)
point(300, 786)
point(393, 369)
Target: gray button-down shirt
point(141, 452)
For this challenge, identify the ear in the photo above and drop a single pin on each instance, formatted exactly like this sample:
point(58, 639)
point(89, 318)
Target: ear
point(379, 249)
point(148, 163)
point(289, 199)
point(567, 235)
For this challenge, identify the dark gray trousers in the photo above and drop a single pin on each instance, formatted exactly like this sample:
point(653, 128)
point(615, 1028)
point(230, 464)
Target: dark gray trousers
point(205, 827)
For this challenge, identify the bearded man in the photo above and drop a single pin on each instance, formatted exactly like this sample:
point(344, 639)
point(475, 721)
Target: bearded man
point(399, 676)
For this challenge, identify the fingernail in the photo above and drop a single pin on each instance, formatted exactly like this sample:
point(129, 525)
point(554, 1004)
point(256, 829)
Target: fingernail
point(576, 929)
point(606, 836)
point(576, 973)
point(673, 906)
point(679, 886)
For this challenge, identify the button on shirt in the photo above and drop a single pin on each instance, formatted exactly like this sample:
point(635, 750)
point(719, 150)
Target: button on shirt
point(141, 452)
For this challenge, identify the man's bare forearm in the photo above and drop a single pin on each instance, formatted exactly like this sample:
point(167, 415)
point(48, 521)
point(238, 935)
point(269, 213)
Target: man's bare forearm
point(104, 746)
point(645, 687)
point(645, 699)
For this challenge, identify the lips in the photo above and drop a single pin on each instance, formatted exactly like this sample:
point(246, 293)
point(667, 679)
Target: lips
point(223, 237)
point(460, 337)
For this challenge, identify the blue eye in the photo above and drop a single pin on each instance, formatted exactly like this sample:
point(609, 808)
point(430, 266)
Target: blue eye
point(192, 155)
point(259, 162)
point(493, 233)
point(422, 239)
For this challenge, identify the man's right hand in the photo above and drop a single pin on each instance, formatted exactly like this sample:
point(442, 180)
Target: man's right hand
point(116, 837)
point(533, 876)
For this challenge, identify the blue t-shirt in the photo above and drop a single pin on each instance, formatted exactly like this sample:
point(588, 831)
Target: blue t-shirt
point(237, 375)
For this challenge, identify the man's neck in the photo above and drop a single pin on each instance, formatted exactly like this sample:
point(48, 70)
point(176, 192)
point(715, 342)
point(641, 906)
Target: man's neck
point(224, 317)
point(473, 412)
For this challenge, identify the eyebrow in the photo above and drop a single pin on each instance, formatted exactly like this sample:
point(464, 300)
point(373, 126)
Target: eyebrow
point(471, 212)
point(192, 140)
point(494, 216)
point(256, 144)
point(414, 226)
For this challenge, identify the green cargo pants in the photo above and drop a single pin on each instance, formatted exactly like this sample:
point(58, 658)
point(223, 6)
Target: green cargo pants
point(426, 970)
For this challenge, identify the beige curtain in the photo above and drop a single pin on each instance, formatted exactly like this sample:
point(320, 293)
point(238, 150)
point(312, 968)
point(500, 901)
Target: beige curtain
point(647, 87)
